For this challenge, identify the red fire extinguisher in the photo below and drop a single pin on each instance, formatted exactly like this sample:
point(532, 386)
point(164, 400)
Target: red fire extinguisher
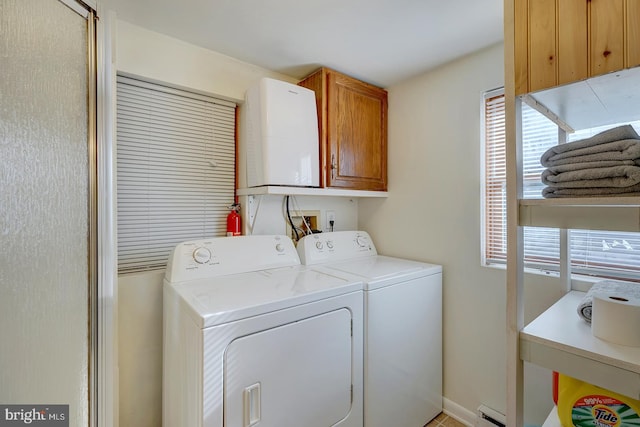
point(234, 221)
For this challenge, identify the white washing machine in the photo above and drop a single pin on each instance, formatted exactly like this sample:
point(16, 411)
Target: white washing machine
point(403, 326)
point(252, 338)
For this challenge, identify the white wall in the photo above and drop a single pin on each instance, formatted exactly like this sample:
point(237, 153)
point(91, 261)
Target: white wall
point(160, 58)
point(433, 214)
point(270, 217)
point(165, 59)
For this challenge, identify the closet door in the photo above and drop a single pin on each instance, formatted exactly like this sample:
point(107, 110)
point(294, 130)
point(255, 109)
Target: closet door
point(46, 177)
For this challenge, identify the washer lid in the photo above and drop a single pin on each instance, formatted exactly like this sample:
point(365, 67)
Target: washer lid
point(225, 299)
point(381, 270)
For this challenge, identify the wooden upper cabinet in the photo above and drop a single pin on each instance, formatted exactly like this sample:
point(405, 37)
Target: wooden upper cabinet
point(352, 116)
point(563, 41)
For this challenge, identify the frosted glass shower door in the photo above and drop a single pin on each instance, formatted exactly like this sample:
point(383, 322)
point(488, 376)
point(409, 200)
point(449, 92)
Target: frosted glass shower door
point(45, 221)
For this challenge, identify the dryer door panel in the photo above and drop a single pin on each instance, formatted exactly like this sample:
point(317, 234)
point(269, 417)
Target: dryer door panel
point(295, 374)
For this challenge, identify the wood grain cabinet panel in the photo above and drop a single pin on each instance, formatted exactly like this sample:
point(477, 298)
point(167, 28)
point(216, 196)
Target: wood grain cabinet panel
point(542, 44)
point(352, 116)
point(606, 36)
point(632, 36)
point(521, 46)
point(573, 48)
point(563, 41)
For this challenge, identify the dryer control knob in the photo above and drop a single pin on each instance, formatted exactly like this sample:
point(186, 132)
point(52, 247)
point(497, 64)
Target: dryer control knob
point(202, 255)
point(329, 244)
point(279, 247)
point(362, 241)
point(319, 244)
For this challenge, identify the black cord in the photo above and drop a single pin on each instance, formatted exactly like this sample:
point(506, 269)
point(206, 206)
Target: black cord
point(291, 221)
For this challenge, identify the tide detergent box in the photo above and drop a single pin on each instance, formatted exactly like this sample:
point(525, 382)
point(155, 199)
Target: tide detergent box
point(581, 404)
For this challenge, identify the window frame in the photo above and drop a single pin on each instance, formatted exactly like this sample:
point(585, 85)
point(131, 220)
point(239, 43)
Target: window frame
point(175, 169)
point(581, 264)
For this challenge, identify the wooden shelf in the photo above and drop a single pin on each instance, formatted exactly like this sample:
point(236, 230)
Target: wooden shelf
point(308, 191)
point(560, 340)
point(593, 213)
point(608, 99)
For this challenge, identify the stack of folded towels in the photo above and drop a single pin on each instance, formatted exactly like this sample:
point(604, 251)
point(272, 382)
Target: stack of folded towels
point(606, 164)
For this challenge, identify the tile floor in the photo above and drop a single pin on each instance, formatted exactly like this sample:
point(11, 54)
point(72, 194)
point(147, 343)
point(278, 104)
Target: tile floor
point(444, 420)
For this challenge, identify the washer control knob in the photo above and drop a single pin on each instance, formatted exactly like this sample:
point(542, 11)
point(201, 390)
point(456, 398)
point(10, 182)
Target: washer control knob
point(279, 247)
point(362, 241)
point(319, 244)
point(329, 244)
point(202, 255)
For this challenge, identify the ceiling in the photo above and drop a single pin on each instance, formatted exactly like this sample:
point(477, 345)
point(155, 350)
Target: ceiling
point(379, 41)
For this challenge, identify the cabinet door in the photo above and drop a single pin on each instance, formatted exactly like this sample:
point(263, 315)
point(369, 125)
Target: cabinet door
point(607, 36)
point(357, 134)
point(633, 33)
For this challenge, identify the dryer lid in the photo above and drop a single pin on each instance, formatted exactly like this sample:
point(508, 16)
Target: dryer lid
point(225, 299)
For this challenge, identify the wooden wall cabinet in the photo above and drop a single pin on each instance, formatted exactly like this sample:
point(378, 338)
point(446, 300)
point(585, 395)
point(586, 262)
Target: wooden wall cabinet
point(563, 41)
point(352, 119)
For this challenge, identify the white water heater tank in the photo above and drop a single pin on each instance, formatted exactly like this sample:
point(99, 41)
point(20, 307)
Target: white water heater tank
point(282, 145)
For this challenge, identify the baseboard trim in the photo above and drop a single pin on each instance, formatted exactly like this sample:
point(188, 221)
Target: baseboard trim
point(459, 413)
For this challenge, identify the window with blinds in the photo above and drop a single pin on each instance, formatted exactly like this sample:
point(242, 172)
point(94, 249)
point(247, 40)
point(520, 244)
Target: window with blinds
point(495, 179)
point(175, 170)
point(595, 253)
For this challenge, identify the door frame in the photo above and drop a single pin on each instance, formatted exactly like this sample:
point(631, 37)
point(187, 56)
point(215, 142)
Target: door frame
point(102, 304)
point(105, 348)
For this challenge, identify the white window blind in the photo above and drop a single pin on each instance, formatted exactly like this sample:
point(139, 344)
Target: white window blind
point(495, 179)
point(175, 170)
point(596, 253)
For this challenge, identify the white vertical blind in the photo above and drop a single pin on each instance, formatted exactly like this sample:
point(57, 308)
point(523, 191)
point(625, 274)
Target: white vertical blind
point(495, 182)
point(596, 253)
point(175, 170)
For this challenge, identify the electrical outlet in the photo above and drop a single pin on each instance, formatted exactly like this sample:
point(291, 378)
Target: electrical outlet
point(331, 216)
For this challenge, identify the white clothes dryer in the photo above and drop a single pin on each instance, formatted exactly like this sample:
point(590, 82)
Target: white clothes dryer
point(403, 326)
point(252, 338)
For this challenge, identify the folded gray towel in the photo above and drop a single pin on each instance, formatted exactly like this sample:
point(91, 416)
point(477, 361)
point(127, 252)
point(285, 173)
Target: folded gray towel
point(552, 192)
point(626, 288)
point(613, 176)
point(619, 143)
point(624, 149)
point(589, 165)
